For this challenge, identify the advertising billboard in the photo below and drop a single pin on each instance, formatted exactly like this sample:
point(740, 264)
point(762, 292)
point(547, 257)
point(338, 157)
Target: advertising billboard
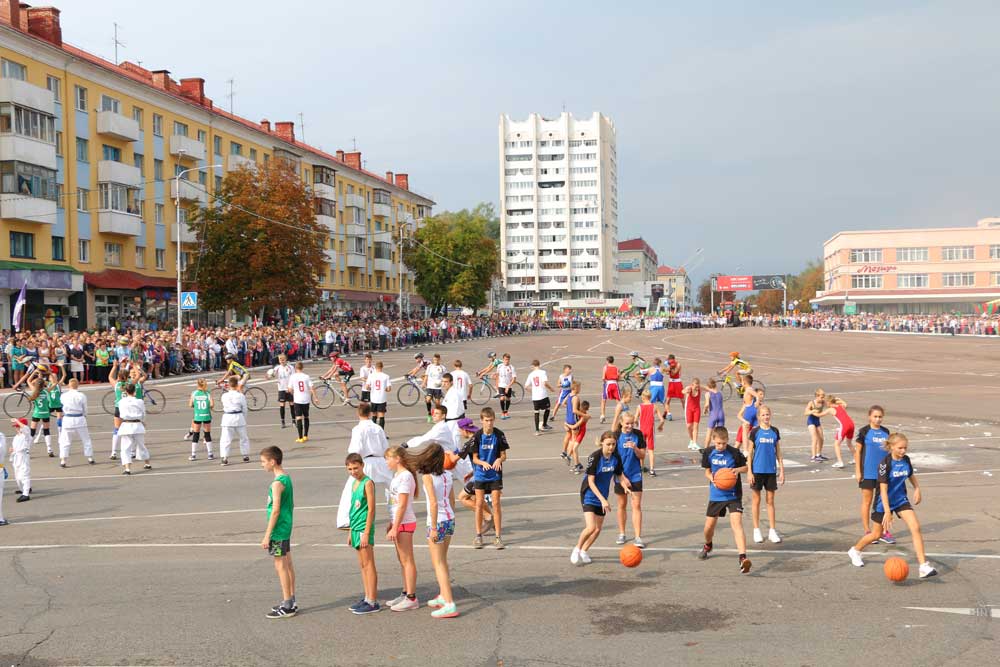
point(747, 283)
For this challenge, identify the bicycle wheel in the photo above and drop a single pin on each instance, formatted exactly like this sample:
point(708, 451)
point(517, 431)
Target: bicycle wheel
point(758, 385)
point(482, 394)
point(354, 395)
point(216, 394)
point(408, 395)
point(256, 399)
point(727, 391)
point(108, 402)
point(16, 405)
point(517, 393)
point(155, 401)
point(325, 396)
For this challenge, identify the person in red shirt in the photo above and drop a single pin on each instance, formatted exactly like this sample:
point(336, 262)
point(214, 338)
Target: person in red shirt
point(675, 388)
point(647, 415)
point(609, 380)
point(339, 367)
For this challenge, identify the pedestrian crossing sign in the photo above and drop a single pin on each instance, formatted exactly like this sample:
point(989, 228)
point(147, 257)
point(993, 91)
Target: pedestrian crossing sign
point(189, 301)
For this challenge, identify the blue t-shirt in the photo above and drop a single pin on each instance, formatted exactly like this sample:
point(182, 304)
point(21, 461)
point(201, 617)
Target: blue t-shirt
point(488, 448)
point(871, 441)
point(764, 458)
point(894, 473)
point(604, 471)
point(713, 460)
point(630, 462)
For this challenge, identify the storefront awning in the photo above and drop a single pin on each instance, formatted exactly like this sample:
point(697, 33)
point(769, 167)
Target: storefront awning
point(364, 297)
point(127, 280)
point(13, 275)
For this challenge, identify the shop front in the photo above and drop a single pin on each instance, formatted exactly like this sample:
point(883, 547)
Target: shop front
point(126, 300)
point(54, 296)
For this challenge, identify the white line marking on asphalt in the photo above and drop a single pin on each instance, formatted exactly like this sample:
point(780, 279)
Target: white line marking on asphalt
point(994, 612)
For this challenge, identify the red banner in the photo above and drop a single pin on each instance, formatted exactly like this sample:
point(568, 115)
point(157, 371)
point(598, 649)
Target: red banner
point(734, 283)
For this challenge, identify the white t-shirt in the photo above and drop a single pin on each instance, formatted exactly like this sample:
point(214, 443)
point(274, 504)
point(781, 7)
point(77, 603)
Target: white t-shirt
point(505, 375)
point(434, 373)
point(461, 381)
point(537, 379)
point(378, 384)
point(365, 371)
point(402, 482)
point(300, 384)
point(282, 373)
point(442, 487)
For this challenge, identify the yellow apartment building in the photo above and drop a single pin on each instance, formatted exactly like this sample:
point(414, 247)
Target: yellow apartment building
point(89, 152)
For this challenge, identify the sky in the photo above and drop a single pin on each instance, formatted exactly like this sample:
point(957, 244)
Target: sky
point(753, 130)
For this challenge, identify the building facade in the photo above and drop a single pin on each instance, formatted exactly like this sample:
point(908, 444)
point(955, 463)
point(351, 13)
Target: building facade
point(637, 263)
point(912, 271)
point(559, 209)
point(676, 287)
point(89, 151)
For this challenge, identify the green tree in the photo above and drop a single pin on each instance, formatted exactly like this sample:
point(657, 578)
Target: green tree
point(486, 211)
point(453, 258)
point(705, 296)
point(259, 245)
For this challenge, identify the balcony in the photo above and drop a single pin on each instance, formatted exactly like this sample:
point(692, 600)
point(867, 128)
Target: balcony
point(354, 229)
point(383, 264)
point(324, 191)
point(187, 236)
point(189, 191)
point(354, 201)
point(26, 149)
point(327, 221)
point(355, 260)
point(118, 222)
point(117, 126)
point(27, 209)
point(235, 162)
point(331, 256)
point(382, 210)
point(186, 146)
point(27, 95)
point(109, 171)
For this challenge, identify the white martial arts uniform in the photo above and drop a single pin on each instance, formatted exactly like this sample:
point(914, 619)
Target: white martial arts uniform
point(234, 423)
point(132, 432)
point(368, 439)
point(74, 423)
point(3, 470)
point(20, 459)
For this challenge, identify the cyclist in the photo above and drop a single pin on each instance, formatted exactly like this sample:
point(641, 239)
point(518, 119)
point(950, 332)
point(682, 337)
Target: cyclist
point(341, 368)
point(430, 400)
point(740, 366)
point(637, 366)
point(494, 362)
point(234, 369)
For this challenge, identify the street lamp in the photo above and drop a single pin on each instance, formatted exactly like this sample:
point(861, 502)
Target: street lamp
point(177, 210)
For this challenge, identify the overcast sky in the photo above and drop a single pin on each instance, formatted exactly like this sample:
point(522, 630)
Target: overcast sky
point(753, 129)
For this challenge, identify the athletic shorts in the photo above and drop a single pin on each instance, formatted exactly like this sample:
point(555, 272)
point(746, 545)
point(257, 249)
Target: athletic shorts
point(593, 509)
point(650, 438)
point(563, 396)
point(366, 396)
point(868, 484)
point(718, 508)
point(117, 414)
point(845, 435)
point(202, 421)
point(636, 487)
point(543, 404)
point(379, 407)
point(300, 409)
point(408, 527)
point(435, 393)
point(279, 548)
point(356, 538)
point(56, 408)
point(470, 488)
point(345, 375)
point(507, 392)
point(443, 529)
point(675, 390)
point(739, 434)
point(43, 420)
point(656, 394)
point(878, 516)
point(284, 396)
point(715, 421)
point(765, 481)
point(580, 433)
point(611, 392)
point(813, 420)
point(489, 487)
point(692, 414)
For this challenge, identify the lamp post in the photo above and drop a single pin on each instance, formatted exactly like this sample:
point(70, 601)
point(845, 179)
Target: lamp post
point(177, 210)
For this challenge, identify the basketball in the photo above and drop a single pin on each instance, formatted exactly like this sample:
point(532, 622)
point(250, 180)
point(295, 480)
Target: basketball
point(630, 555)
point(450, 460)
point(896, 569)
point(725, 479)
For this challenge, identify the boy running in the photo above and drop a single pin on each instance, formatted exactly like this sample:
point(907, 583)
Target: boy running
point(714, 459)
point(565, 388)
point(278, 535)
point(767, 471)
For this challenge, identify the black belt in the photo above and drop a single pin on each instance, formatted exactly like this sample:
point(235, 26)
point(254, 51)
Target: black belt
point(69, 415)
point(134, 421)
point(455, 419)
point(238, 412)
point(372, 456)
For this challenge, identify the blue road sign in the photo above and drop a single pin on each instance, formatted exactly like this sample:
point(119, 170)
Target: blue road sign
point(189, 301)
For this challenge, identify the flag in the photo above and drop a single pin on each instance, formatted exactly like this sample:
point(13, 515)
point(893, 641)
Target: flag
point(22, 300)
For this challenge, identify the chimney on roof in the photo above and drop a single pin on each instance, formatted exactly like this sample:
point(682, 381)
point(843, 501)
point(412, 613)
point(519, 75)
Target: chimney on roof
point(22, 18)
point(193, 89)
point(353, 159)
point(388, 176)
point(403, 181)
point(44, 22)
point(266, 125)
point(340, 155)
point(10, 13)
point(161, 79)
point(286, 130)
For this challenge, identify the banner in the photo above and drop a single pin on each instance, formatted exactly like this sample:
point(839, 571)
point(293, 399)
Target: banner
point(747, 283)
point(769, 282)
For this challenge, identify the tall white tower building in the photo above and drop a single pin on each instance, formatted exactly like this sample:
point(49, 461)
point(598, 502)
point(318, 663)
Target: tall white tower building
point(558, 208)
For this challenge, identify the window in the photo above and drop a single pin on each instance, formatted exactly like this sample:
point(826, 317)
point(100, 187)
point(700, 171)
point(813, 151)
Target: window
point(218, 184)
point(995, 251)
point(83, 250)
point(326, 207)
point(253, 154)
point(137, 160)
point(267, 158)
point(866, 255)
point(905, 280)
point(80, 98)
point(524, 144)
point(82, 150)
point(29, 180)
point(157, 170)
point(203, 136)
point(54, 85)
point(161, 258)
point(82, 198)
point(235, 148)
point(117, 197)
point(964, 279)
point(995, 278)
point(137, 116)
point(911, 255)
point(866, 281)
point(109, 103)
point(158, 214)
point(113, 254)
point(58, 249)
point(217, 145)
point(203, 178)
point(27, 123)
point(59, 144)
point(180, 128)
point(13, 70)
point(517, 158)
point(957, 253)
point(22, 245)
point(157, 125)
point(140, 257)
point(112, 153)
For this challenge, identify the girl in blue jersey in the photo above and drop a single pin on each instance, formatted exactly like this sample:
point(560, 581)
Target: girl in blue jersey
point(632, 448)
point(893, 471)
point(871, 441)
point(767, 471)
point(603, 467)
point(812, 412)
point(748, 419)
point(565, 388)
point(713, 459)
point(713, 410)
point(571, 404)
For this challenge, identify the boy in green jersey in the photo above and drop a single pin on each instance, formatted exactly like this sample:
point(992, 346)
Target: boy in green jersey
point(278, 536)
point(363, 532)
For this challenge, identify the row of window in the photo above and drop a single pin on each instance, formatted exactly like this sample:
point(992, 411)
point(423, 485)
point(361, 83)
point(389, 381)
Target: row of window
point(22, 246)
point(919, 280)
point(527, 143)
point(948, 254)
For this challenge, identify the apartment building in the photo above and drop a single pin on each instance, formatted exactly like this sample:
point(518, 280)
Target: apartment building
point(559, 210)
point(636, 263)
point(89, 151)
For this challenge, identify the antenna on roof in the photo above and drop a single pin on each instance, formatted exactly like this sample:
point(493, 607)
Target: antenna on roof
point(354, 143)
point(231, 93)
point(117, 43)
point(302, 127)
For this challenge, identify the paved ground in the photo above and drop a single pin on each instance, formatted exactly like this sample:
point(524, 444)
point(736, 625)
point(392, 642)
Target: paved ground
point(165, 568)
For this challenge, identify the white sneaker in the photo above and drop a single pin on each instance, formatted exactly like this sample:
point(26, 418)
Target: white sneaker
point(693, 446)
point(855, 557)
point(773, 537)
point(575, 556)
point(585, 558)
point(621, 538)
point(757, 537)
point(927, 570)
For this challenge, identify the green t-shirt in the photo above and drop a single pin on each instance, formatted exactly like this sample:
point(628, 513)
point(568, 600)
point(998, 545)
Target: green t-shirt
point(119, 390)
point(359, 506)
point(202, 409)
point(138, 390)
point(55, 397)
point(283, 527)
point(41, 410)
point(102, 357)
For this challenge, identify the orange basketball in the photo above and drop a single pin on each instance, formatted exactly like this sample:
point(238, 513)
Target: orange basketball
point(630, 555)
point(896, 569)
point(725, 478)
point(450, 460)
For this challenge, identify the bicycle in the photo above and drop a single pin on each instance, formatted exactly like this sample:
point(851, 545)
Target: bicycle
point(411, 392)
point(17, 404)
point(256, 398)
point(486, 391)
point(636, 389)
point(731, 385)
point(327, 394)
point(154, 399)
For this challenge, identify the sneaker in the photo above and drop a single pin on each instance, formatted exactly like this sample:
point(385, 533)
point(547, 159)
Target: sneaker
point(652, 473)
point(446, 611)
point(546, 427)
point(639, 543)
point(299, 440)
point(693, 446)
point(126, 472)
point(246, 459)
point(838, 464)
point(366, 608)
point(478, 542)
point(396, 600)
point(927, 570)
point(23, 498)
point(187, 436)
point(574, 557)
point(670, 417)
point(505, 416)
point(745, 566)
point(498, 543)
point(705, 550)
point(51, 454)
point(645, 469)
point(773, 537)
point(822, 458)
point(284, 425)
point(621, 539)
point(91, 461)
point(113, 457)
point(147, 467)
point(566, 458)
point(585, 558)
point(855, 556)
point(3, 522)
point(435, 603)
point(305, 438)
point(357, 604)
point(192, 458)
point(757, 537)
point(406, 604)
point(603, 419)
point(62, 464)
point(282, 612)
point(211, 457)
point(887, 538)
point(578, 468)
point(225, 461)
point(537, 432)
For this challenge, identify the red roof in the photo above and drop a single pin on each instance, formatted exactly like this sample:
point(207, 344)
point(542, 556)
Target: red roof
point(669, 271)
point(118, 279)
point(637, 244)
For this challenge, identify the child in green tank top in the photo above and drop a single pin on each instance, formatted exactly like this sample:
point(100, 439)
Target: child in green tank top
point(277, 537)
point(363, 532)
point(201, 422)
